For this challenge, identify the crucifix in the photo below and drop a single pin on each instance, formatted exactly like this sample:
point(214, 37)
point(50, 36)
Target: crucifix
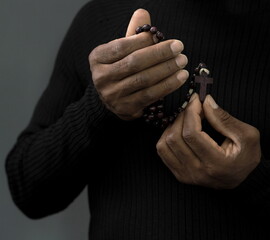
point(202, 78)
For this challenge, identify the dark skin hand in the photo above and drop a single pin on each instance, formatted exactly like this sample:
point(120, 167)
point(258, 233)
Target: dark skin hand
point(195, 158)
point(131, 73)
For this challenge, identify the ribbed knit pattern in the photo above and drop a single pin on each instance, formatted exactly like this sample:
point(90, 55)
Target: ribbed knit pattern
point(73, 141)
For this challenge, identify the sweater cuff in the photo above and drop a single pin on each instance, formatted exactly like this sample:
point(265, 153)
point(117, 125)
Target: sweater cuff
point(97, 111)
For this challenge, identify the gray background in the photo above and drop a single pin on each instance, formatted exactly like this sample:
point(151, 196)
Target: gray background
point(31, 32)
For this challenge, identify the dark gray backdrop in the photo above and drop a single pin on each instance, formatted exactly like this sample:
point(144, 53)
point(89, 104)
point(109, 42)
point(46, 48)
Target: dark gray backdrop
point(30, 34)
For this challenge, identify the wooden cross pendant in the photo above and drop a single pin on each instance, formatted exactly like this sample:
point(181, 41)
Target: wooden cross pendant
point(203, 80)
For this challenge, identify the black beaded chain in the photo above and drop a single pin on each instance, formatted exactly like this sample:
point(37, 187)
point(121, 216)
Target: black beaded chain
point(154, 114)
point(153, 30)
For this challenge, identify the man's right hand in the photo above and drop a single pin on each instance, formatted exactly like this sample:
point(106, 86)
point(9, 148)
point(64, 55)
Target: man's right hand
point(131, 73)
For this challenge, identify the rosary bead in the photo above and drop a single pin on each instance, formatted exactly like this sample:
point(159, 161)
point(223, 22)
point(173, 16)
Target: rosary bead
point(184, 104)
point(147, 120)
point(171, 119)
point(139, 30)
point(154, 113)
point(197, 70)
point(160, 107)
point(192, 84)
point(159, 35)
point(156, 123)
point(151, 117)
point(188, 97)
point(153, 109)
point(160, 115)
point(146, 27)
point(165, 121)
point(202, 65)
point(153, 30)
point(180, 110)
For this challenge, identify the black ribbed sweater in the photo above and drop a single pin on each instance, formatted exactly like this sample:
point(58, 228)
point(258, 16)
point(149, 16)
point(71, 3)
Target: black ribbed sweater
point(73, 141)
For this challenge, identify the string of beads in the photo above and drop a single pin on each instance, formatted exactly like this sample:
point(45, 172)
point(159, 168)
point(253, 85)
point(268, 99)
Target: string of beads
point(154, 114)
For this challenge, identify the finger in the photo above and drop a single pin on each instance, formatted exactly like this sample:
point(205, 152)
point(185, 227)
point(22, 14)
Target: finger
point(144, 58)
point(149, 95)
point(167, 156)
point(139, 18)
point(222, 121)
point(178, 146)
point(118, 49)
point(150, 76)
point(200, 142)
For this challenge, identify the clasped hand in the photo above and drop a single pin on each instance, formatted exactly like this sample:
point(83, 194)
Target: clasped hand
point(132, 72)
point(195, 158)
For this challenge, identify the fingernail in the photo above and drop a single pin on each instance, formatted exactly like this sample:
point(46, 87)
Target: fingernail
point(182, 75)
point(176, 46)
point(181, 61)
point(211, 102)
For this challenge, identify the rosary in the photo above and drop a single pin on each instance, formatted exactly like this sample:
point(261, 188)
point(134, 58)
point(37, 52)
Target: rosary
point(200, 82)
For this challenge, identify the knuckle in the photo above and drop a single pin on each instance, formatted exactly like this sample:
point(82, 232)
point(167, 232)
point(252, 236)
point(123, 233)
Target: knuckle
point(107, 95)
point(119, 109)
point(198, 179)
point(217, 173)
point(126, 110)
point(147, 97)
point(169, 67)
point(136, 114)
point(145, 40)
point(116, 48)
point(98, 77)
point(171, 139)
point(160, 52)
point(139, 81)
point(167, 85)
point(131, 63)
point(252, 134)
point(224, 115)
point(160, 146)
point(97, 53)
point(188, 136)
point(92, 57)
point(212, 172)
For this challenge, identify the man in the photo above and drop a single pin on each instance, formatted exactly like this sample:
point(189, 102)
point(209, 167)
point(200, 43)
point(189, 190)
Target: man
point(145, 183)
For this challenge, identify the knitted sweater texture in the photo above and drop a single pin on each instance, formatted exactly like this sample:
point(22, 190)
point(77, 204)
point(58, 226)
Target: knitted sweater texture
point(73, 141)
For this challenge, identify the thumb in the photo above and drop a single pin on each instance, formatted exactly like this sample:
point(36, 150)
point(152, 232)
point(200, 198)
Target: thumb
point(139, 18)
point(221, 120)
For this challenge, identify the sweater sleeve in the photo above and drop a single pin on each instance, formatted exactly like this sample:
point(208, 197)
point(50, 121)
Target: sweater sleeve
point(47, 167)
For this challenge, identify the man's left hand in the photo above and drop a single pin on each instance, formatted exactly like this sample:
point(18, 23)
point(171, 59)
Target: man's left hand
point(195, 158)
